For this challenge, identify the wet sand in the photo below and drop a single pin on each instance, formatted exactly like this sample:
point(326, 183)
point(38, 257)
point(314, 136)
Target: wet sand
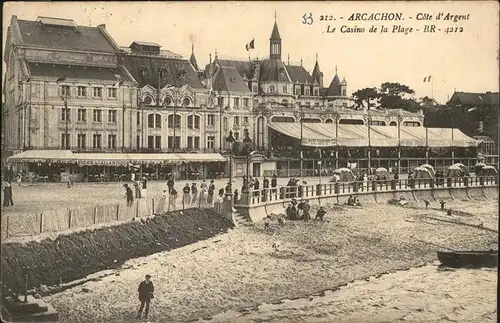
point(242, 269)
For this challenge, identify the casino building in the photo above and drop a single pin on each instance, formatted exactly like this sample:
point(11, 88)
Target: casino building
point(78, 103)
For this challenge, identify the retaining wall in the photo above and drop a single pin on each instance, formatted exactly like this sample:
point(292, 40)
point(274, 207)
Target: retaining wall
point(491, 192)
point(423, 194)
point(458, 193)
point(441, 193)
point(475, 193)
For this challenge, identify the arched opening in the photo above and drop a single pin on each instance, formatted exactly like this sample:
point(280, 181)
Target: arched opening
point(328, 120)
point(186, 102)
point(411, 124)
point(148, 100)
point(351, 121)
point(393, 124)
point(168, 100)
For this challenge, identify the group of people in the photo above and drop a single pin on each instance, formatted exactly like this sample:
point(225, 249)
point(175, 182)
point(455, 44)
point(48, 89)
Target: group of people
point(301, 211)
point(140, 189)
point(267, 186)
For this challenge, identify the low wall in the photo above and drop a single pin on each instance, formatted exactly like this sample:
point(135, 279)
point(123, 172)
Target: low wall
point(259, 210)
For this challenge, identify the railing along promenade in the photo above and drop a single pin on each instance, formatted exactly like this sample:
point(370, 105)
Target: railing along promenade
point(268, 200)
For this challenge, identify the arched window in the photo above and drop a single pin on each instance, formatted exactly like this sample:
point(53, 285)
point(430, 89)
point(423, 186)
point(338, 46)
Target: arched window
point(148, 100)
point(285, 89)
point(174, 121)
point(168, 101)
point(283, 119)
point(154, 120)
point(225, 123)
point(351, 121)
point(193, 121)
point(307, 91)
point(297, 90)
point(186, 102)
point(316, 92)
point(271, 88)
point(344, 92)
point(393, 124)
point(328, 121)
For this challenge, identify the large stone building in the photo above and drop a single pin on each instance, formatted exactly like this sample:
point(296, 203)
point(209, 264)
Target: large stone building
point(72, 90)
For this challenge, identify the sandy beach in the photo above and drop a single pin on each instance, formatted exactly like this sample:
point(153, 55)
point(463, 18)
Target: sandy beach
point(241, 269)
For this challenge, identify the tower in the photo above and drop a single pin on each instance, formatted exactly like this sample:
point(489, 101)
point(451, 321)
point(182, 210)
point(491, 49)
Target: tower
point(317, 74)
point(275, 42)
point(343, 87)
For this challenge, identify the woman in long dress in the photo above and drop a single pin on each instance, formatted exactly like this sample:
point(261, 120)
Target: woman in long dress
point(161, 206)
point(203, 192)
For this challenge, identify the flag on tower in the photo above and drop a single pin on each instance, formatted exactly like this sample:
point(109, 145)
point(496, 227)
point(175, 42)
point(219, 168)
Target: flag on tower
point(428, 78)
point(250, 45)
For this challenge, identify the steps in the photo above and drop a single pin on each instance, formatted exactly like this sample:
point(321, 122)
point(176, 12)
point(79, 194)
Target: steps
point(241, 220)
point(34, 310)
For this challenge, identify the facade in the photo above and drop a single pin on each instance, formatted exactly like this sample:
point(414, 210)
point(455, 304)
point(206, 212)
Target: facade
point(72, 88)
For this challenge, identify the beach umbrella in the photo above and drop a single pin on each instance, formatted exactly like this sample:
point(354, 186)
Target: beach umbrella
point(430, 168)
point(422, 173)
point(462, 166)
point(454, 170)
point(345, 174)
point(488, 171)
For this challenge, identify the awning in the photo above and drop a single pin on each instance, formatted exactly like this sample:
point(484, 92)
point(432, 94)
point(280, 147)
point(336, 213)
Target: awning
point(202, 158)
point(326, 134)
point(49, 156)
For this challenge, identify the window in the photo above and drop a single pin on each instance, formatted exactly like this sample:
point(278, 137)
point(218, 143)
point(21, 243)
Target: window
point(96, 141)
point(138, 118)
point(112, 93)
point(65, 114)
point(284, 89)
point(297, 91)
point(171, 142)
point(97, 92)
point(138, 141)
point(255, 88)
point(343, 92)
point(174, 122)
point(154, 142)
point(220, 101)
point(245, 120)
point(193, 142)
point(168, 100)
point(65, 140)
point(246, 101)
point(97, 115)
point(194, 122)
point(186, 102)
point(307, 91)
point(211, 120)
point(82, 115)
point(236, 136)
point(236, 102)
point(82, 91)
point(316, 92)
point(411, 124)
point(154, 120)
point(112, 116)
point(316, 105)
point(210, 142)
point(81, 141)
point(148, 100)
point(236, 121)
point(65, 91)
point(271, 88)
point(112, 141)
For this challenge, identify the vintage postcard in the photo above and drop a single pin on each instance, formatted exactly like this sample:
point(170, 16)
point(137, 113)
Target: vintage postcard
point(250, 161)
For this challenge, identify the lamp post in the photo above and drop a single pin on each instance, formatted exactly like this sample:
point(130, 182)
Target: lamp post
point(247, 144)
point(66, 111)
point(230, 141)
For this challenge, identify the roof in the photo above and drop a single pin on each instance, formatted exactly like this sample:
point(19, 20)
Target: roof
point(177, 72)
point(275, 35)
point(324, 135)
point(228, 79)
point(57, 21)
point(467, 98)
point(74, 71)
point(192, 60)
point(299, 74)
point(273, 70)
point(144, 43)
point(243, 67)
point(334, 88)
point(316, 70)
point(82, 39)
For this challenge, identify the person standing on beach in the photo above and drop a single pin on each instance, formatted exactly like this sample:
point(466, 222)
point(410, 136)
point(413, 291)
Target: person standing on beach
point(129, 194)
point(170, 183)
point(137, 190)
point(194, 191)
point(7, 194)
point(144, 192)
point(161, 206)
point(146, 290)
point(305, 211)
point(210, 194)
point(172, 200)
point(203, 192)
point(186, 196)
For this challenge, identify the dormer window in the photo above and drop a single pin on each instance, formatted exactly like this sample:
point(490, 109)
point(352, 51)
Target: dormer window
point(168, 100)
point(186, 102)
point(144, 72)
point(297, 90)
point(148, 100)
point(307, 91)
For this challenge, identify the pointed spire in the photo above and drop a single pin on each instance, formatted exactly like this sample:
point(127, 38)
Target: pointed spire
point(275, 16)
point(192, 59)
point(288, 58)
point(192, 48)
point(275, 35)
point(316, 57)
point(210, 58)
point(301, 61)
point(335, 69)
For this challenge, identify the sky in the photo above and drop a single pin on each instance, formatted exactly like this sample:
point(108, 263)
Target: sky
point(462, 61)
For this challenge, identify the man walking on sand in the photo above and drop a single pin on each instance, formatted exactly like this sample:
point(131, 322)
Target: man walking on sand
point(146, 289)
point(129, 195)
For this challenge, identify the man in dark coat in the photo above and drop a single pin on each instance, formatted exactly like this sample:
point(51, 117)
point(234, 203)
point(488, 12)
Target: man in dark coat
point(129, 194)
point(256, 186)
point(146, 289)
point(170, 184)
